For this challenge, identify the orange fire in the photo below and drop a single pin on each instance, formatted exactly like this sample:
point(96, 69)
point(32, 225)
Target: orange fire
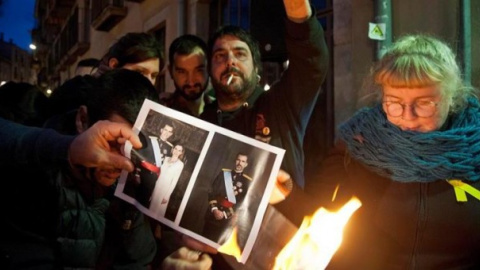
point(231, 247)
point(317, 239)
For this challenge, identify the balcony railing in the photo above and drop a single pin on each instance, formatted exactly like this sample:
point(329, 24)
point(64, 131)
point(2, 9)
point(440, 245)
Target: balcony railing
point(107, 13)
point(73, 40)
point(60, 8)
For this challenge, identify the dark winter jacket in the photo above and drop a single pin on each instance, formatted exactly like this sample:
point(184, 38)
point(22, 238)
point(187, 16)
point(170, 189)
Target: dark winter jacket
point(48, 222)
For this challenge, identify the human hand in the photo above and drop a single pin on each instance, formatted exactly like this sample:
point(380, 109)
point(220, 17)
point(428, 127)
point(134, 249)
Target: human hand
point(193, 244)
point(187, 259)
point(282, 188)
point(99, 145)
point(297, 10)
point(218, 214)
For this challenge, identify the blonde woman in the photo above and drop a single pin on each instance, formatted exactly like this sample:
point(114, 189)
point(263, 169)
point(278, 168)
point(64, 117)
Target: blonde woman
point(413, 160)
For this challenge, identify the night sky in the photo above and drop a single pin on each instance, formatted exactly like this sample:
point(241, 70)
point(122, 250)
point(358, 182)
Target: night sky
point(16, 21)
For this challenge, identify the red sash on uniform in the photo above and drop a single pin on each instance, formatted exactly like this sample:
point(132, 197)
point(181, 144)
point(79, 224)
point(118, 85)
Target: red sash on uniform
point(149, 166)
point(226, 203)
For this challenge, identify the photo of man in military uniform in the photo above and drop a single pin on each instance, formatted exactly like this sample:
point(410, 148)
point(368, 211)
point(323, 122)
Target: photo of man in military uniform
point(225, 200)
point(163, 146)
point(148, 160)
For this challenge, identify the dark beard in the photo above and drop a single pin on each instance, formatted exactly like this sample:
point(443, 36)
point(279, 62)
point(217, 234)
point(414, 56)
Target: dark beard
point(235, 92)
point(192, 96)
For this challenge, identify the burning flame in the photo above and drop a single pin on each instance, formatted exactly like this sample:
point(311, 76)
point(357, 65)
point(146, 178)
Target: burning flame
point(231, 247)
point(317, 239)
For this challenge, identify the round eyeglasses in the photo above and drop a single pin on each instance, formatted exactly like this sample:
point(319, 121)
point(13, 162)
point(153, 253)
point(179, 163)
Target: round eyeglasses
point(422, 109)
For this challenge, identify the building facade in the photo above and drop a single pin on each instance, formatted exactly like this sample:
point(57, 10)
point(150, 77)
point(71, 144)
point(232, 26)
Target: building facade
point(15, 63)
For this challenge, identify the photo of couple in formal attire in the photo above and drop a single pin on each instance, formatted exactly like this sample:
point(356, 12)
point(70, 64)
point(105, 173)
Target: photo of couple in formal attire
point(164, 164)
point(198, 178)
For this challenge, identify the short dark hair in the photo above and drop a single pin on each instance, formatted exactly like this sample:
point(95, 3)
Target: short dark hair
point(88, 62)
point(241, 34)
point(242, 154)
point(135, 48)
point(119, 91)
point(170, 124)
point(185, 45)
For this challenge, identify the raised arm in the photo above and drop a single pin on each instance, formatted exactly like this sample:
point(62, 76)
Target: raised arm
point(297, 10)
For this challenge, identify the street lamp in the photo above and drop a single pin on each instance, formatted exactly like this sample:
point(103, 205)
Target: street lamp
point(33, 47)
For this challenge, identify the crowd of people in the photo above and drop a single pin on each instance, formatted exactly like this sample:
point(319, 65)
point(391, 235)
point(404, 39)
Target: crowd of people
point(412, 156)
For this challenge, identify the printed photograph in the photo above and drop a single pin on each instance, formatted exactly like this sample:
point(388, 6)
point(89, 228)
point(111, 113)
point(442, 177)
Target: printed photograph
point(228, 191)
point(200, 179)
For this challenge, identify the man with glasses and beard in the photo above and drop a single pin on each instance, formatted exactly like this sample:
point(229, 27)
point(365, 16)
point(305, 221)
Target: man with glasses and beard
point(187, 57)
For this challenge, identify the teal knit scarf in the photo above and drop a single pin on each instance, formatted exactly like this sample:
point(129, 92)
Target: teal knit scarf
point(408, 156)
